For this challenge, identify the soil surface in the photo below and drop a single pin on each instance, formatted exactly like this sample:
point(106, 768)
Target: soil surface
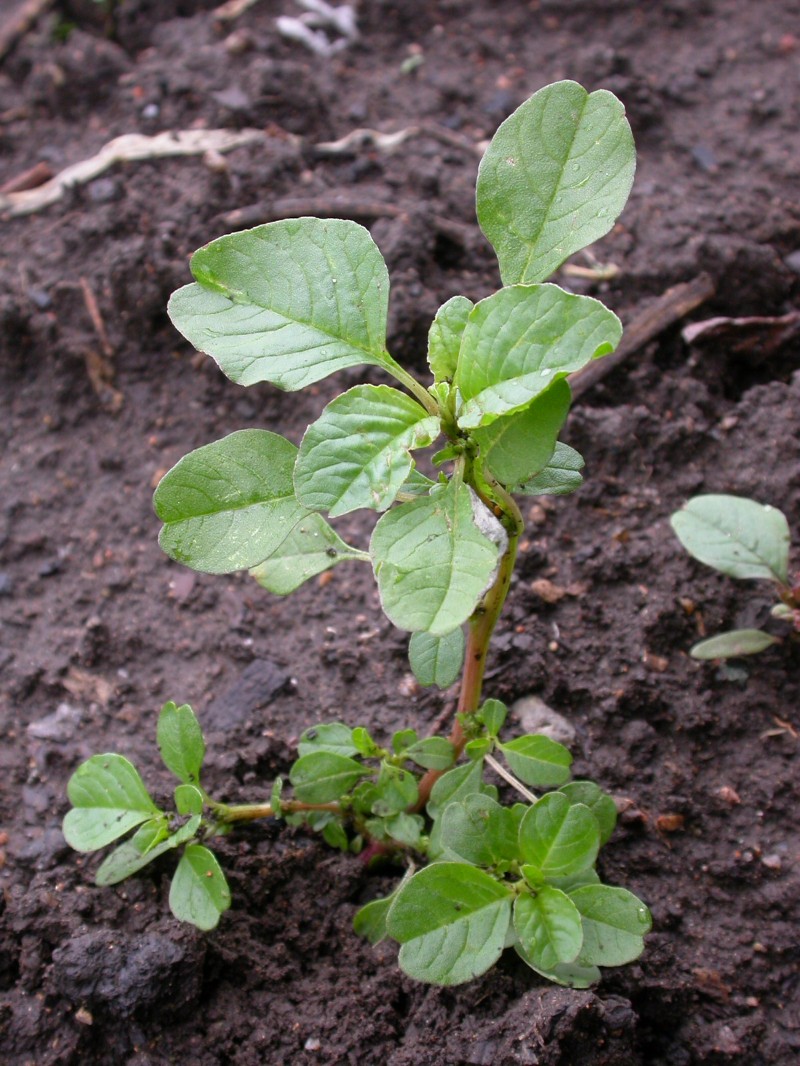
point(99, 628)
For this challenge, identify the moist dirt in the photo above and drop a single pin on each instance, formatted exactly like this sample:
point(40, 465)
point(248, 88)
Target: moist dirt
point(99, 396)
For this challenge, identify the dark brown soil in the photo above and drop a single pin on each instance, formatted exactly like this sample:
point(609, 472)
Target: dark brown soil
point(99, 628)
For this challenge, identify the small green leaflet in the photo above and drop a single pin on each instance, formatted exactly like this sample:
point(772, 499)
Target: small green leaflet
point(436, 660)
point(548, 925)
point(569, 974)
point(444, 337)
point(180, 741)
point(228, 505)
point(518, 447)
point(614, 924)
point(732, 645)
point(558, 839)
point(310, 548)
point(289, 302)
point(554, 179)
point(189, 800)
point(538, 760)
point(456, 784)
point(735, 535)
point(357, 453)
point(129, 857)
point(335, 737)
point(395, 791)
point(323, 777)
point(199, 892)
point(432, 753)
point(451, 920)
point(493, 714)
point(479, 831)
point(599, 803)
point(108, 799)
point(561, 475)
point(521, 339)
point(431, 560)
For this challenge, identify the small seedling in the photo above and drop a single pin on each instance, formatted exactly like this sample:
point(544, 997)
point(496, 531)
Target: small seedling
point(290, 303)
point(744, 539)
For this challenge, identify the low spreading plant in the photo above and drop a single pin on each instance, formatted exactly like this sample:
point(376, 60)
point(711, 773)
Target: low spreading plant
point(290, 303)
point(744, 539)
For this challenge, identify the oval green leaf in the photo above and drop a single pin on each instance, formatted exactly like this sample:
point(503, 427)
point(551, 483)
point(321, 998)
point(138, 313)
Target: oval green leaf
point(431, 560)
point(451, 920)
point(310, 548)
point(180, 741)
point(323, 777)
point(538, 760)
point(108, 798)
point(614, 924)
point(548, 925)
point(357, 453)
point(335, 737)
point(289, 302)
point(599, 803)
point(444, 337)
point(199, 892)
point(732, 645)
point(558, 839)
point(436, 660)
point(555, 177)
point(228, 505)
point(737, 536)
point(561, 475)
point(517, 447)
point(521, 339)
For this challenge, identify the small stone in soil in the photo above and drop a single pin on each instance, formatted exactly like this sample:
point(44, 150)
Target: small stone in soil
point(535, 716)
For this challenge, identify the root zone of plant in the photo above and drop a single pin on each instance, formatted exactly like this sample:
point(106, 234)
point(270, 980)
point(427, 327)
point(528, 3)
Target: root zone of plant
point(99, 396)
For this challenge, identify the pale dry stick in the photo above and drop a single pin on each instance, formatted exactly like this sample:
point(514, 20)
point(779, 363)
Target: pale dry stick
point(129, 147)
point(233, 9)
point(20, 21)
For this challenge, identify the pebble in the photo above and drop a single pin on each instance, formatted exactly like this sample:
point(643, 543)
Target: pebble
point(535, 716)
point(104, 190)
point(61, 725)
point(6, 584)
point(792, 261)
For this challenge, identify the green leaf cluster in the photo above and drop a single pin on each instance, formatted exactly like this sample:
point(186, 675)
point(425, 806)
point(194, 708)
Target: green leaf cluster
point(109, 799)
point(742, 539)
point(520, 875)
point(293, 301)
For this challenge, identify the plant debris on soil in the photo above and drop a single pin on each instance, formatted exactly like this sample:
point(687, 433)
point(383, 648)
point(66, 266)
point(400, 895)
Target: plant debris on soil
point(99, 396)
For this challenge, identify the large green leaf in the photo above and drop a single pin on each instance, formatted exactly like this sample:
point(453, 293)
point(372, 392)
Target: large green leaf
point(561, 475)
point(548, 925)
point(521, 339)
point(558, 839)
point(289, 302)
point(180, 741)
point(614, 924)
point(444, 337)
point(228, 505)
point(599, 803)
point(458, 783)
point(310, 548)
point(199, 892)
point(108, 799)
point(436, 660)
point(554, 179)
point(736, 536)
point(357, 453)
point(519, 446)
point(431, 560)
point(451, 920)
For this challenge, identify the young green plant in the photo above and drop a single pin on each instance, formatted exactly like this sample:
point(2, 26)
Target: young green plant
point(743, 539)
point(290, 303)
